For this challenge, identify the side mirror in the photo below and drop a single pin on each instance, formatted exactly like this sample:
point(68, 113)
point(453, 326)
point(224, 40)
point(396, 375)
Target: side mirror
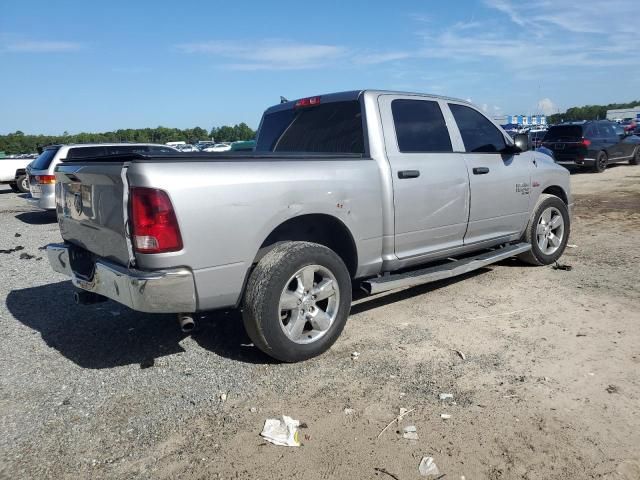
point(521, 141)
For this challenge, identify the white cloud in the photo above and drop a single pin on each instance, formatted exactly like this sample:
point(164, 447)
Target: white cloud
point(33, 46)
point(547, 106)
point(383, 57)
point(515, 48)
point(586, 16)
point(267, 54)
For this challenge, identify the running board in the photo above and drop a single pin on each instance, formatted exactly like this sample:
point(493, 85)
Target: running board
point(440, 272)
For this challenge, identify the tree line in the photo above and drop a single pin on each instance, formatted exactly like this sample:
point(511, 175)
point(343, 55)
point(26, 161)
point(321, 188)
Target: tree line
point(19, 142)
point(588, 112)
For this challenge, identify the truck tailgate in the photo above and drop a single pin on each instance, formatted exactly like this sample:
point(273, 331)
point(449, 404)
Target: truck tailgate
point(91, 207)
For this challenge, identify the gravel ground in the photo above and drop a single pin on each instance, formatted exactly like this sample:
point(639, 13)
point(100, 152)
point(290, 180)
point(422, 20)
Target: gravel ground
point(548, 387)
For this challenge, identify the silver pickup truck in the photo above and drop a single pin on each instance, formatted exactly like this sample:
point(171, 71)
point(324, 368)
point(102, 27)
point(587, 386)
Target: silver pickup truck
point(374, 189)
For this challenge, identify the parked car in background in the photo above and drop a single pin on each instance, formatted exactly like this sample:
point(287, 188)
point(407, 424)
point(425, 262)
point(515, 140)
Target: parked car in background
point(202, 144)
point(41, 172)
point(218, 147)
point(593, 144)
point(388, 190)
point(187, 148)
point(536, 136)
point(243, 146)
point(10, 168)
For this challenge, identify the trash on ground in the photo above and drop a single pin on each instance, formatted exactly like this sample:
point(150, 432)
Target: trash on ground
point(461, 354)
point(253, 410)
point(428, 467)
point(17, 235)
point(355, 355)
point(223, 397)
point(410, 433)
point(281, 432)
point(562, 266)
point(446, 396)
point(349, 411)
point(612, 389)
point(570, 245)
point(445, 416)
point(403, 412)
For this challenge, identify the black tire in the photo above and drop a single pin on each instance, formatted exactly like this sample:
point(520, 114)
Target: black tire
point(14, 187)
point(536, 256)
point(601, 162)
point(635, 160)
point(261, 306)
point(22, 184)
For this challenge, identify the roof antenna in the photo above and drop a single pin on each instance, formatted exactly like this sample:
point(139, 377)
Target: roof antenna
point(283, 100)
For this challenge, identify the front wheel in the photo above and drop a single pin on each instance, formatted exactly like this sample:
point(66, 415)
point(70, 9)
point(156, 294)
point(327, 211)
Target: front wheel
point(547, 232)
point(297, 301)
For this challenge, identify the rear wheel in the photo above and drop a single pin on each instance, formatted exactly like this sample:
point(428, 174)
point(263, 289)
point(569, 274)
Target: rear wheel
point(14, 187)
point(22, 184)
point(601, 162)
point(297, 301)
point(635, 160)
point(547, 232)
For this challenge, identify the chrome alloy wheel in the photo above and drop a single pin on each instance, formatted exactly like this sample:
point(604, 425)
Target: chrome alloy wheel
point(309, 304)
point(550, 231)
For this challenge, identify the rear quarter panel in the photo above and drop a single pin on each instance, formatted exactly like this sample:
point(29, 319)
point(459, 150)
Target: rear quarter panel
point(226, 209)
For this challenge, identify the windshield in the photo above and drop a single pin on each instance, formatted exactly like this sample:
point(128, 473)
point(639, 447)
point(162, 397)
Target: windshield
point(562, 132)
point(44, 159)
point(334, 127)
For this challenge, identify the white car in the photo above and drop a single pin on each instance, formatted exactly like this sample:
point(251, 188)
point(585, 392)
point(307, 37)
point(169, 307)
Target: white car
point(219, 147)
point(12, 172)
point(41, 171)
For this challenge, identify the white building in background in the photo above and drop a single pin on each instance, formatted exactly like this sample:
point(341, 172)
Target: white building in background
point(527, 119)
point(524, 120)
point(624, 113)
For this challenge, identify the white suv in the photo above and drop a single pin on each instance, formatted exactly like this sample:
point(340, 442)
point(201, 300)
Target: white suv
point(41, 172)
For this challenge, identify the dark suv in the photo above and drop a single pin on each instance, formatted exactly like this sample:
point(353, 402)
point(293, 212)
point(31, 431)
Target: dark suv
point(593, 143)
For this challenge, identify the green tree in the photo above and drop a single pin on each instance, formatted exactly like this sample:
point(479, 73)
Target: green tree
point(19, 142)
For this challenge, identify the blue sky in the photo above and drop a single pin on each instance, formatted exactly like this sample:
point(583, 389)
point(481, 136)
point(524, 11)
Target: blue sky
point(95, 66)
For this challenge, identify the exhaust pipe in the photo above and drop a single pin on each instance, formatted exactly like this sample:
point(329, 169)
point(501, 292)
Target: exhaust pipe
point(82, 297)
point(187, 323)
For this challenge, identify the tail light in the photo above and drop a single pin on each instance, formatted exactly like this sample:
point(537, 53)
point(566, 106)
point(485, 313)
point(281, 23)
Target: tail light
point(45, 179)
point(585, 142)
point(154, 225)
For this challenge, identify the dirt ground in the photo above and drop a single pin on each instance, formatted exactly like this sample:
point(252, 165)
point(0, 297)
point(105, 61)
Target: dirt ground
point(549, 386)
